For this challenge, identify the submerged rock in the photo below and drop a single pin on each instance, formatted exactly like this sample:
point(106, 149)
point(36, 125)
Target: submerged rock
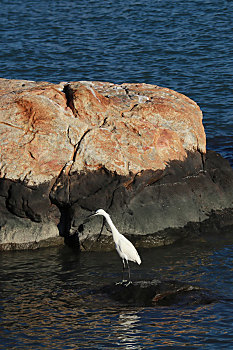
point(157, 292)
point(135, 150)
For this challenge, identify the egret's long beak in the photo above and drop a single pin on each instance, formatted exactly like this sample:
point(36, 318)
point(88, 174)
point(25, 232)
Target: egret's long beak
point(88, 218)
point(93, 214)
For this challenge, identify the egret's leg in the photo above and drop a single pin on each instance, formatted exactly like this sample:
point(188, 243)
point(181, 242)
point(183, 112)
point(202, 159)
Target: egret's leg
point(123, 270)
point(129, 279)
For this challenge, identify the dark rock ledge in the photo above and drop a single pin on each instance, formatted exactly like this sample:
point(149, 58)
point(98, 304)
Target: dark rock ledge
point(159, 293)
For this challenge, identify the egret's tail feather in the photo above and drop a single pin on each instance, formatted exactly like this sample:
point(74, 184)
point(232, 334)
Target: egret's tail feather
point(138, 260)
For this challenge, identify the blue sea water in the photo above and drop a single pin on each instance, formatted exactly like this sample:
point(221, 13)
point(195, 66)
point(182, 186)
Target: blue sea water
point(47, 300)
point(184, 45)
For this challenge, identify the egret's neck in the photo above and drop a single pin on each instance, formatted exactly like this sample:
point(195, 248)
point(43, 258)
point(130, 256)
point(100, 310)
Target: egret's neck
point(112, 226)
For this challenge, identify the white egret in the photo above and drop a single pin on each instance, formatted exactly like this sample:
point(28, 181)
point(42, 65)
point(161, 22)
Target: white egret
point(124, 247)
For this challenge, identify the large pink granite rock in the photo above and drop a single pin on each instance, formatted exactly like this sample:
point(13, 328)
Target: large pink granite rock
point(134, 127)
point(34, 122)
point(124, 128)
point(69, 148)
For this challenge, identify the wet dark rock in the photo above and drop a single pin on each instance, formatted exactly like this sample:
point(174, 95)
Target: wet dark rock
point(188, 200)
point(159, 293)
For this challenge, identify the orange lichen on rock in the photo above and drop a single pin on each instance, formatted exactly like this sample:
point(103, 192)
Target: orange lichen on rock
point(124, 128)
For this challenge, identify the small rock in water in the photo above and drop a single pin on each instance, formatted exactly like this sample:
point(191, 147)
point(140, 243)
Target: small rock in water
point(158, 292)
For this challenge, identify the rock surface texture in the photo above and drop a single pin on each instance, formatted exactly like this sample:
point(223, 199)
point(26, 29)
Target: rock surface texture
point(158, 293)
point(136, 150)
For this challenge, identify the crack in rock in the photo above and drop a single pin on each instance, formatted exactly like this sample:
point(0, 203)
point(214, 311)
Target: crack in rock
point(69, 95)
point(31, 155)
point(11, 125)
point(77, 147)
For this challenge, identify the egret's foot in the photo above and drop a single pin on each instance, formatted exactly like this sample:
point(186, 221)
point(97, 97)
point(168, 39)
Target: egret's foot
point(122, 282)
point(128, 283)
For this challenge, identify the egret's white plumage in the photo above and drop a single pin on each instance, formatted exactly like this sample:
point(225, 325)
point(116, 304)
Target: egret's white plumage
point(124, 247)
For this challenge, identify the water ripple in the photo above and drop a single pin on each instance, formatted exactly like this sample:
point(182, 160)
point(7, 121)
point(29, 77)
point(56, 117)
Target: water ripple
point(48, 300)
point(46, 297)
